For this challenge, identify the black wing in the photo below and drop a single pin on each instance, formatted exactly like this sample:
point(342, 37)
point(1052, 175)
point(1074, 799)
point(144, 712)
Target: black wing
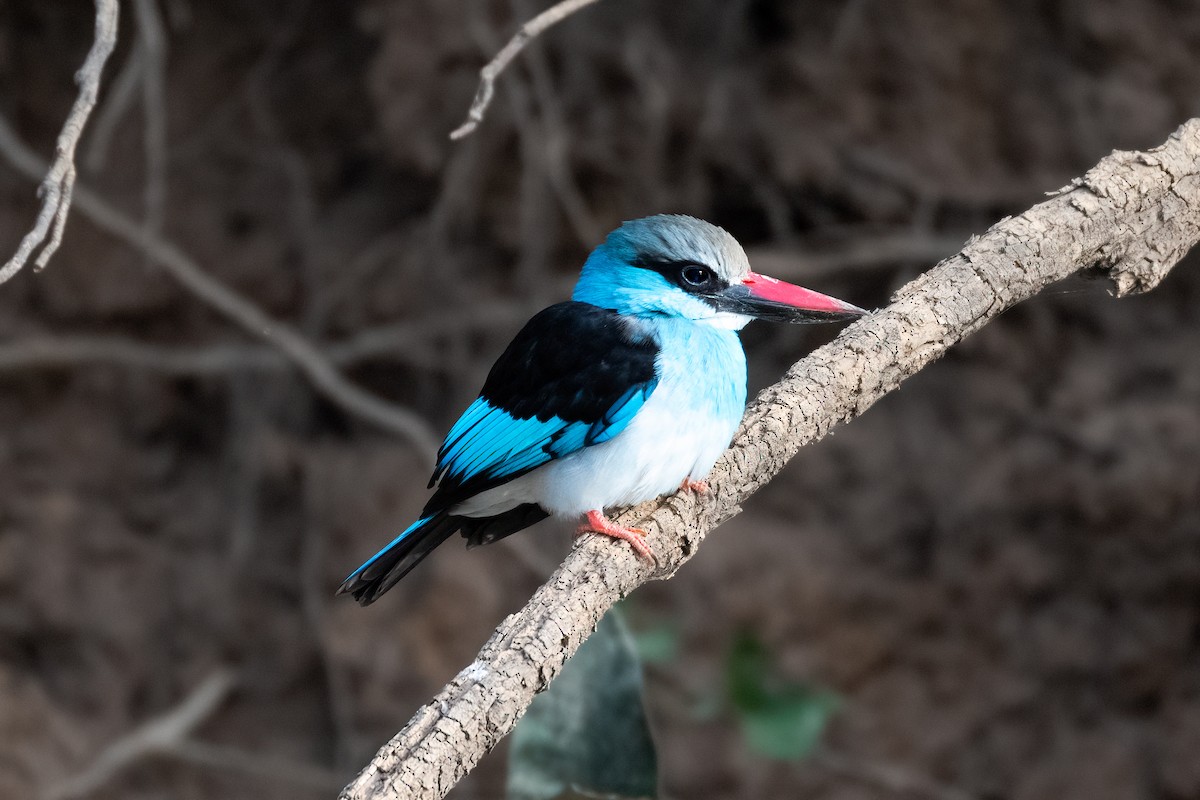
point(574, 376)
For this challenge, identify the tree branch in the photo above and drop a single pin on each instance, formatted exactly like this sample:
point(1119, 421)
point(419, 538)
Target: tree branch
point(122, 94)
point(487, 76)
point(1134, 216)
point(155, 736)
point(170, 735)
point(302, 353)
point(153, 38)
point(56, 188)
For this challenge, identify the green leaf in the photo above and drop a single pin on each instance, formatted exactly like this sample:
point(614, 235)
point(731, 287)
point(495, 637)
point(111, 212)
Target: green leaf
point(657, 645)
point(779, 719)
point(790, 728)
point(587, 735)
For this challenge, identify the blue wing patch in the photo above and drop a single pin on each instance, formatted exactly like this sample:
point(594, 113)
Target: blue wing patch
point(620, 414)
point(491, 444)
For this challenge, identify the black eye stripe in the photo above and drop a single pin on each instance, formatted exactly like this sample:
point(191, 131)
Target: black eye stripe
point(691, 276)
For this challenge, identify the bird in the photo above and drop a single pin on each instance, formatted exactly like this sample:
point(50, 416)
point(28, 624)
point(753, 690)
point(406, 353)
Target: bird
point(630, 390)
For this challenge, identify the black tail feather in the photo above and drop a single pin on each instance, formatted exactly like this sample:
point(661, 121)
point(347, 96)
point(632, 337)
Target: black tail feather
point(486, 530)
point(383, 571)
point(407, 550)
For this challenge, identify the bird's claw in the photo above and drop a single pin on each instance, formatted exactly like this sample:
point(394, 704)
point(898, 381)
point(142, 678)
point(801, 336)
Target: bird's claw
point(585, 528)
point(699, 487)
point(598, 523)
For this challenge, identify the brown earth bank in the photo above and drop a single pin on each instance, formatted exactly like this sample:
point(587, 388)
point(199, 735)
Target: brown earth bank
point(997, 568)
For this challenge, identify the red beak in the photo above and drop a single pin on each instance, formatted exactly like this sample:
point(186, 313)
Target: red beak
point(765, 297)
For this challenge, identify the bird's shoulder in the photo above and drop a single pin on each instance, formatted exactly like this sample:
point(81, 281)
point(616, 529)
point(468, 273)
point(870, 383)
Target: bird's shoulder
point(572, 360)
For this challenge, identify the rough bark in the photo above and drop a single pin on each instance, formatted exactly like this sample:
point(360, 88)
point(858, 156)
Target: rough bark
point(1133, 216)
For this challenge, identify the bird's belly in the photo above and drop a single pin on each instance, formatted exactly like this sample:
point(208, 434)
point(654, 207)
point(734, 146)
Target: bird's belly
point(663, 445)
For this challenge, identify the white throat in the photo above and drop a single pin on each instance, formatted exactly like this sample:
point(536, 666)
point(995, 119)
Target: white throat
point(725, 320)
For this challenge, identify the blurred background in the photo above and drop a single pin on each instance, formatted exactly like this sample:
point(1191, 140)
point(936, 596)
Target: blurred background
point(996, 571)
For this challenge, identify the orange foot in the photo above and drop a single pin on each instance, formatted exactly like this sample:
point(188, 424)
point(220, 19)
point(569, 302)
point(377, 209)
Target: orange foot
point(598, 523)
point(699, 487)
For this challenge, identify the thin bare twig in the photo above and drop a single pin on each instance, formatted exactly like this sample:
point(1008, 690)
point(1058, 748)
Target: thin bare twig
point(243, 473)
point(556, 158)
point(360, 267)
point(122, 92)
point(57, 352)
point(536, 223)
point(152, 737)
point(276, 770)
point(58, 185)
point(321, 374)
point(890, 778)
point(153, 36)
point(409, 342)
point(406, 342)
point(533, 210)
point(487, 76)
point(857, 254)
point(656, 165)
point(849, 20)
point(302, 194)
point(316, 597)
point(169, 735)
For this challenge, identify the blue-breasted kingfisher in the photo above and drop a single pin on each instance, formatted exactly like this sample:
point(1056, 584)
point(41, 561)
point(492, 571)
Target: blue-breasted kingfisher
point(630, 390)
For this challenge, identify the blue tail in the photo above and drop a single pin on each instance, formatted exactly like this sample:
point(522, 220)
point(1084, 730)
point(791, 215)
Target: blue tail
point(382, 570)
point(393, 562)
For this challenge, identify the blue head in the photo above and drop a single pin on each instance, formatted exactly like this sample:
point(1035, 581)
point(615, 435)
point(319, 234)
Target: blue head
point(675, 266)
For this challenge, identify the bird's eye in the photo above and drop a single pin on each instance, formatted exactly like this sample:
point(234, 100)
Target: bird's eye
point(696, 276)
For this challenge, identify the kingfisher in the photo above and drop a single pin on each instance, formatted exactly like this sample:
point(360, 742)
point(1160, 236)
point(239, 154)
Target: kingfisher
point(629, 391)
